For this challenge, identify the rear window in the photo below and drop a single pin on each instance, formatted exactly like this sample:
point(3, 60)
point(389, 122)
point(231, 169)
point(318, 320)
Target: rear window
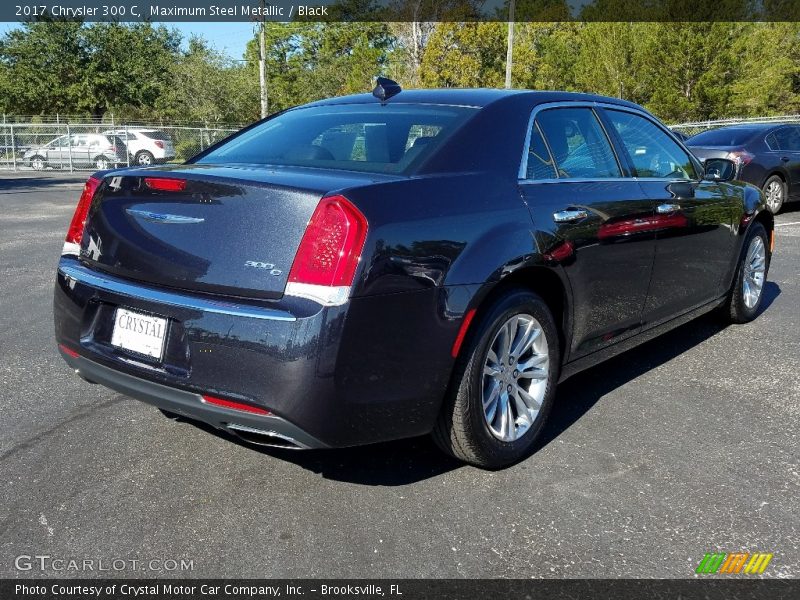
point(156, 135)
point(357, 137)
point(721, 137)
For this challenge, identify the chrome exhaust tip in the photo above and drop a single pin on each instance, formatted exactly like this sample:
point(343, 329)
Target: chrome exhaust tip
point(263, 437)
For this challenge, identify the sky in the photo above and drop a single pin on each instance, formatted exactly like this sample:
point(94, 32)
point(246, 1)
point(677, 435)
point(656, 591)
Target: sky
point(230, 38)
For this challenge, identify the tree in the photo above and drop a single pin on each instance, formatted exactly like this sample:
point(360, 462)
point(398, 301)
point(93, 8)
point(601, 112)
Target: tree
point(465, 55)
point(69, 67)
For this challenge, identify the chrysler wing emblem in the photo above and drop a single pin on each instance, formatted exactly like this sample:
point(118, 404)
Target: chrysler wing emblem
point(162, 217)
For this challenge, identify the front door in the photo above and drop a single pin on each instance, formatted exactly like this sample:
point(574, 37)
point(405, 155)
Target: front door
point(693, 217)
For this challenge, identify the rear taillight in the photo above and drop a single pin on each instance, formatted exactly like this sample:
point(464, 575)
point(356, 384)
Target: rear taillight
point(329, 253)
point(159, 144)
point(740, 157)
point(72, 244)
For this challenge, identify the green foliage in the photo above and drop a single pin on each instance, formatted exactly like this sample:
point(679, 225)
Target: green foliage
point(680, 71)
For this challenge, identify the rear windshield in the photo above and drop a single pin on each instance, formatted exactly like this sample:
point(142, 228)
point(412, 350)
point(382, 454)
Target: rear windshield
point(356, 137)
point(156, 135)
point(722, 137)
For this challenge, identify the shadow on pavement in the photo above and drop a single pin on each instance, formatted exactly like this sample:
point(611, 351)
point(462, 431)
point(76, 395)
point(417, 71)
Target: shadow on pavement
point(17, 183)
point(407, 461)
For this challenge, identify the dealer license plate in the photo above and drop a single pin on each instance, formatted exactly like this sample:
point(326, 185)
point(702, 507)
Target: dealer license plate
point(140, 333)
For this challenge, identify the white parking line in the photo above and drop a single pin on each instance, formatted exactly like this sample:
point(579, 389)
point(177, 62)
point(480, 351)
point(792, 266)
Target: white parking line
point(785, 224)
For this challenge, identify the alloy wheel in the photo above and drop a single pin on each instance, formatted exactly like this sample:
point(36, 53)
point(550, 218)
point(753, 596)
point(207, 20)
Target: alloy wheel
point(37, 164)
point(755, 267)
point(774, 194)
point(144, 159)
point(102, 163)
point(515, 375)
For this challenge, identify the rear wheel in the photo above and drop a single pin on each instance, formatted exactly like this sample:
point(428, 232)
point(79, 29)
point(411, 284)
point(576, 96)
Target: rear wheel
point(775, 193)
point(747, 292)
point(503, 385)
point(102, 163)
point(144, 158)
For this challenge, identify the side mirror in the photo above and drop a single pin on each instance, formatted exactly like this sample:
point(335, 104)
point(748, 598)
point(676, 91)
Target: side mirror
point(719, 169)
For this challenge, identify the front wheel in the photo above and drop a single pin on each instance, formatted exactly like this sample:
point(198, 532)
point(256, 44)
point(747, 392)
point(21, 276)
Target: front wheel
point(503, 385)
point(747, 292)
point(38, 163)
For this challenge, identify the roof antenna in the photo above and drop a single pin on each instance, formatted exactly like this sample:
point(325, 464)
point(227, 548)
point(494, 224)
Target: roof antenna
point(385, 89)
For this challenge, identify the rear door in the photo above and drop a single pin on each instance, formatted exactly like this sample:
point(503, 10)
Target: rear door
point(592, 220)
point(788, 140)
point(692, 221)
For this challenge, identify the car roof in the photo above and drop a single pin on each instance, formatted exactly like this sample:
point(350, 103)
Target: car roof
point(476, 97)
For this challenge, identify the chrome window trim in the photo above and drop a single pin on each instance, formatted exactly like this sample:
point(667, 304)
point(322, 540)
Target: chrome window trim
point(75, 271)
point(523, 167)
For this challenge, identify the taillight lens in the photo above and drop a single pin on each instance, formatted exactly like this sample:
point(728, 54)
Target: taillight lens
point(328, 256)
point(740, 157)
point(159, 144)
point(72, 243)
point(165, 184)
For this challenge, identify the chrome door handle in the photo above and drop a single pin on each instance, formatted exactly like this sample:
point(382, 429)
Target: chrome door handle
point(568, 216)
point(665, 209)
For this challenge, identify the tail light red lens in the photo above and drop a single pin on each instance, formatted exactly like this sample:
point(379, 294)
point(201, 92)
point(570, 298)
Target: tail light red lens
point(159, 144)
point(331, 246)
point(740, 157)
point(75, 232)
point(235, 405)
point(164, 184)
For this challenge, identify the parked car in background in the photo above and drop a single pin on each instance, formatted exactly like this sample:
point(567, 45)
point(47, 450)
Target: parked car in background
point(78, 150)
point(146, 146)
point(680, 135)
point(766, 154)
point(387, 265)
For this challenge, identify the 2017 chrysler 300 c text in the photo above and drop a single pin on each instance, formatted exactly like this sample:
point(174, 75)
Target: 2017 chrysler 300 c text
point(400, 263)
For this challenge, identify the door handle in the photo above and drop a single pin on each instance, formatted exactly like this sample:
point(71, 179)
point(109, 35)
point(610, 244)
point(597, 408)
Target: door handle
point(665, 209)
point(569, 216)
point(785, 158)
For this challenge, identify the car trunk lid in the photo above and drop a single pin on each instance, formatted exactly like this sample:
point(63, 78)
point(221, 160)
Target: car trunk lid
point(214, 229)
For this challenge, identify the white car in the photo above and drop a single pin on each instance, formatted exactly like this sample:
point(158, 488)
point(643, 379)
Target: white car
point(77, 150)
point(146, 146)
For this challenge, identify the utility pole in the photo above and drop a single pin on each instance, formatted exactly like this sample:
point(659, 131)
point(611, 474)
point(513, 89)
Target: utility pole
point(262, 62)
point(510, 49)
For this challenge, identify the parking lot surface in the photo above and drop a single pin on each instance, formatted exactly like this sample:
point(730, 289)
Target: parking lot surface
point(685, 445)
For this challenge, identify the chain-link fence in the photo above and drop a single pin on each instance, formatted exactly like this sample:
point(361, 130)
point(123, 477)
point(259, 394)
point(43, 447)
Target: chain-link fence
point(695, 127)
point(26, 145)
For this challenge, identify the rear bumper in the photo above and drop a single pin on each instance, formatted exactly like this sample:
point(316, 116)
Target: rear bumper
point(267, 430)
point(330, 376)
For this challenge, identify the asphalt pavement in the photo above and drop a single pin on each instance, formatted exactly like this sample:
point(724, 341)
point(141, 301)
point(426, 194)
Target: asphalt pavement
point(685, 445)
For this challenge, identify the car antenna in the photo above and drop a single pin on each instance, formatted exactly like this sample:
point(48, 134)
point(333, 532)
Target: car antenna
point(385, 89)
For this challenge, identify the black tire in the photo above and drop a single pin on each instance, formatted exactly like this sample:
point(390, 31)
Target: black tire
point(775, 202)
point(144, 158)
point(735, 309)
point(102, 163)
point(462, 429)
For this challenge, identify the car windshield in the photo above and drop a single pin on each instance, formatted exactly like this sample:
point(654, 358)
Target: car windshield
point(722, 137)
point(361, 137)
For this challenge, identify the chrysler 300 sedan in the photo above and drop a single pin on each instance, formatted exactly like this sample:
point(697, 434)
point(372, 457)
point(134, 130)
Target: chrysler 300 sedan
point(402, 263)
